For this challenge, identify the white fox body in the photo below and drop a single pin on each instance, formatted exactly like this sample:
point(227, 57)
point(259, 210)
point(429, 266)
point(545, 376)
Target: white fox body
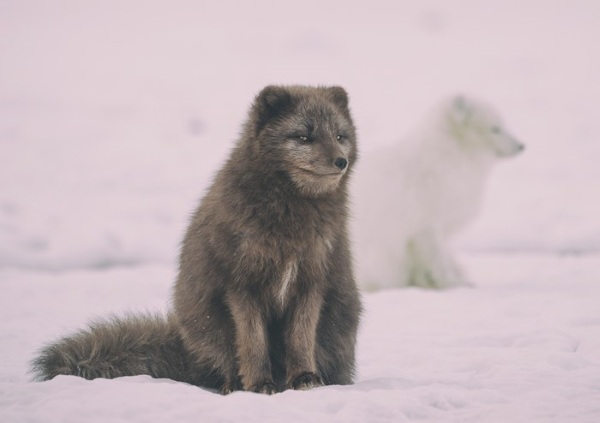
point(410, 198)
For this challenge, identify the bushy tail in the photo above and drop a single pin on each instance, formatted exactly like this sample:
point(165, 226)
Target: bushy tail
point(128, 346)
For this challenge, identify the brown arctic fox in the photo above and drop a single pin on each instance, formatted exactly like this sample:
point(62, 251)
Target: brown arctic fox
point(265, 299)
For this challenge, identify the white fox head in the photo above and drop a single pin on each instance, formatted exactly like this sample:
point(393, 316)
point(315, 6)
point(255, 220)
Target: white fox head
point(477, 127)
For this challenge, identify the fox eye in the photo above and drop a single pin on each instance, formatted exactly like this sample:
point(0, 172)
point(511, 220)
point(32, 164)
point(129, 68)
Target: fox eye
point(340, 137)
point(305, 139)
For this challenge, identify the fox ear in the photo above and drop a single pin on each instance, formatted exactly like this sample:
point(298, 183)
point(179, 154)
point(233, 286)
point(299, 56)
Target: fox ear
point(269, 104)
point(460, 108)
point(340, 97)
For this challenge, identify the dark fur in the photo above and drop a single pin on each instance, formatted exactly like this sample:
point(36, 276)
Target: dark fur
point(265, 299)
point(133, 345)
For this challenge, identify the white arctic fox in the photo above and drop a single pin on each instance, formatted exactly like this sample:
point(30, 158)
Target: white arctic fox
point(410, 198)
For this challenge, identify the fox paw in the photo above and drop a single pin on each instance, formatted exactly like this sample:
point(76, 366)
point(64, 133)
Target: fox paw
point(226, 389)
point(229, 387)
point(267, 388)
point(306, 381)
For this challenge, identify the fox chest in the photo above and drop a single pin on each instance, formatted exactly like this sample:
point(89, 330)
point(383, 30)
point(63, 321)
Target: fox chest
point(287, 267)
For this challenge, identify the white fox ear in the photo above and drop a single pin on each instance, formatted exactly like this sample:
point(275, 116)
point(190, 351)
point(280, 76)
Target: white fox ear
point(460, 108)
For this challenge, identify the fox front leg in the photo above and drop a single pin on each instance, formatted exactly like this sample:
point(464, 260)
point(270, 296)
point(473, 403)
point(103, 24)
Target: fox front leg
point(252, 345)
point(300, 342)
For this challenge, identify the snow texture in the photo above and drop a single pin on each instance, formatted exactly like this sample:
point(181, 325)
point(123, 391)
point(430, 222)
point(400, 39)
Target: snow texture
point(114, 115)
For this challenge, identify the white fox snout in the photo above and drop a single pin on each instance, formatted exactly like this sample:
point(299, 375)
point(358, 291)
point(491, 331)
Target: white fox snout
point(508, 146)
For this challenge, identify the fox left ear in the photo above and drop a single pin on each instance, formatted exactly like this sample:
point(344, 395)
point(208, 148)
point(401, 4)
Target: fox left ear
point(269, 104)
point(340, 97)
point(460, 108)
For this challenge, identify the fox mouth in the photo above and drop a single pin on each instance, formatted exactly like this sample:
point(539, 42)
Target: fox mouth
point(315, 182)
point(321, 174)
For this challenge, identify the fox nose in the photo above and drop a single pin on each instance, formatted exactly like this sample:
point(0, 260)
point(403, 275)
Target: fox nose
point(341, 163)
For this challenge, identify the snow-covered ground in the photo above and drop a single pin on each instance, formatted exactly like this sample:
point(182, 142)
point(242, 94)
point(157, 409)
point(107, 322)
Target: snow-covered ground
point(523, 346)
point(114, 115)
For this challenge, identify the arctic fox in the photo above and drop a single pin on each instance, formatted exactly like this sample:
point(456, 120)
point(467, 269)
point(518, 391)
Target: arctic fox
point(265, 299)
point(410, 198)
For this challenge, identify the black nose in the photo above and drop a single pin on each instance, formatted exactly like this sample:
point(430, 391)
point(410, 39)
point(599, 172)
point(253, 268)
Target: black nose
point(341, 163)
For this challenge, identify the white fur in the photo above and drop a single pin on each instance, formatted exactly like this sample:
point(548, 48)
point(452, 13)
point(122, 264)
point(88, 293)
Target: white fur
point(288, 276)
point(409, 199)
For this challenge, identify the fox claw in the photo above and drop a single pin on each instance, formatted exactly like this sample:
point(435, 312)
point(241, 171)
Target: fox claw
point(306, 381)
point(267, 388)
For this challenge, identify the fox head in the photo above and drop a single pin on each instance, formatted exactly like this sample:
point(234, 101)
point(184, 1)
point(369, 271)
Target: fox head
point(305, 133)
point(479, 128)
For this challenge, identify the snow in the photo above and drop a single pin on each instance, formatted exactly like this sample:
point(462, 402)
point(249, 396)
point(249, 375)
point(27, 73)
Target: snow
point(114, 115)
point(516, 348)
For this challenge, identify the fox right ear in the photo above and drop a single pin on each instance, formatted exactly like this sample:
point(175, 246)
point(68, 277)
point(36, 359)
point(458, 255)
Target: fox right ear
point(340, 97)
point(269, 104)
